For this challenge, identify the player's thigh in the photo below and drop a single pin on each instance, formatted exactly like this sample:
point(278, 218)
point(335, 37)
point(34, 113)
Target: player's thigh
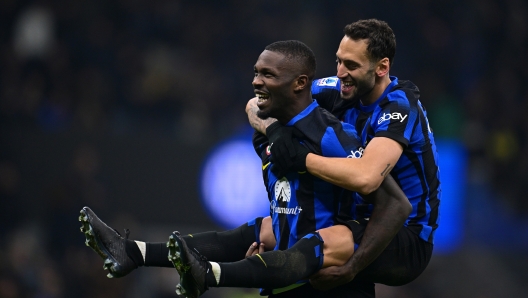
point(338, 245)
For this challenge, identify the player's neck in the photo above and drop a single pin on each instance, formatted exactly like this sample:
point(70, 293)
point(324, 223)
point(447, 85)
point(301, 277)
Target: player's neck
point(379, 87)
point(299, 105)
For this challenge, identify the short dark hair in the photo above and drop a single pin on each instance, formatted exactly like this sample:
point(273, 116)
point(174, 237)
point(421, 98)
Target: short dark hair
point(297, 52)
point(381, 41)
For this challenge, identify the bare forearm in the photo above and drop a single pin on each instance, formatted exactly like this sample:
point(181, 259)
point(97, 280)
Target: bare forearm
point(390, 212)
point(348, 173)
point(257, 123)
point(364, 174)
point(378, 235)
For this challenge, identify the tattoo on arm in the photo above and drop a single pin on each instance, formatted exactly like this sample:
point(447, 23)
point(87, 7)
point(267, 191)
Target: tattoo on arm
point(386, 171)
point(257, 123)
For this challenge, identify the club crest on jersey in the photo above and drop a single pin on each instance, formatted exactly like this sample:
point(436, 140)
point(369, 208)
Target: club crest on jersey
point(332, 82)
point(268, 151)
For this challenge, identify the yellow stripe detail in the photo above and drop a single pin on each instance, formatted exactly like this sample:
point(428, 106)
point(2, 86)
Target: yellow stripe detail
point(262, 260)
point(265, 166)
point(287, 288)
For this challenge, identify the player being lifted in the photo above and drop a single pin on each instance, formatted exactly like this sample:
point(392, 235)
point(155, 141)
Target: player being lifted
point(283, 76)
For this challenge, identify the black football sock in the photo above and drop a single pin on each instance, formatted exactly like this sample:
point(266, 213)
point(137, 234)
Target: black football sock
point(132, 250)
point(274, 269)
point(227, 246)
point(156, 255)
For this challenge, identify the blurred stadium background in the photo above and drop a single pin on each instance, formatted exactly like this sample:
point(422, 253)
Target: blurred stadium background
point(119, 104)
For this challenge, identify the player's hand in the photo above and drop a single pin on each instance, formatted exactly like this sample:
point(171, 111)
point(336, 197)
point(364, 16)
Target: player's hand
point(255, 249)
point(255, 121)
point(277, 132)
point(331, 277)
point(287, 153)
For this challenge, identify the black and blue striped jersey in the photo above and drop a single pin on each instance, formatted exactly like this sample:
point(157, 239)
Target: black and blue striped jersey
point(398, 114)
point(299, 202)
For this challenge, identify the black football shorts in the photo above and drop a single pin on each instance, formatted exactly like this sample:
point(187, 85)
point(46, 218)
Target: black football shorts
point(404, 259)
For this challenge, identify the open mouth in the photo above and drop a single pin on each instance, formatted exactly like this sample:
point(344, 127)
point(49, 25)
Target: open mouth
point(262, 98)
point(347, 86)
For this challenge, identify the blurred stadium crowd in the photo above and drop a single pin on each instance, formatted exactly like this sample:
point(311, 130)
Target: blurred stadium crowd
point(182, 70)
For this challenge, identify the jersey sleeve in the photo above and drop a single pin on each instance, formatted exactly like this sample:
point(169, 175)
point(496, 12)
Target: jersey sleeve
point(326, 91)
point(395, 118)
point(260, 143)
point(340, 139)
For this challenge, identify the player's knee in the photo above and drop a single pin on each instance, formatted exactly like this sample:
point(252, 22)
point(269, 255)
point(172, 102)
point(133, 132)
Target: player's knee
point(338, 245)
point(266, 233)
point(263, 231)
point(338, 237)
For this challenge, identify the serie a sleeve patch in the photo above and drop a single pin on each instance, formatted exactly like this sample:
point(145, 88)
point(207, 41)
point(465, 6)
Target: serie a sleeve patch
point(332, 82)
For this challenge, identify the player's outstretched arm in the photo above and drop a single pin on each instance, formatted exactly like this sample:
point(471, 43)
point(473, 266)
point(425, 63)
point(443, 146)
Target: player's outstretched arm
point(391, 209)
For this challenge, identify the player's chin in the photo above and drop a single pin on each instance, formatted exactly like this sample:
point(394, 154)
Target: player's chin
point(347, 95)
point(263, 114)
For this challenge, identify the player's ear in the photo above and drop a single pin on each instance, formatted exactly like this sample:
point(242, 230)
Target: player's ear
point(383, 66)
point(301, 82)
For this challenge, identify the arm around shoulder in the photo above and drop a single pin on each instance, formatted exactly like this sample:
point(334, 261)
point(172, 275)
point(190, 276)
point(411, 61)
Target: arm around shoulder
point(364, 174)
point(257, 123)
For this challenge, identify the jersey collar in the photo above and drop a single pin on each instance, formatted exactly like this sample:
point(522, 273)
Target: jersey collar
point(303, 114)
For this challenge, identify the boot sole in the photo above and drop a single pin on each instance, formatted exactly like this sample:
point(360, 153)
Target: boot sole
point(95, 243)
point(178, 260)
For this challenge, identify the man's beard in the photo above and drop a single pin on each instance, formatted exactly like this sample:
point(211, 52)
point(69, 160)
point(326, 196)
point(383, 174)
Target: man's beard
point(361, 92)
point(363, 87)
